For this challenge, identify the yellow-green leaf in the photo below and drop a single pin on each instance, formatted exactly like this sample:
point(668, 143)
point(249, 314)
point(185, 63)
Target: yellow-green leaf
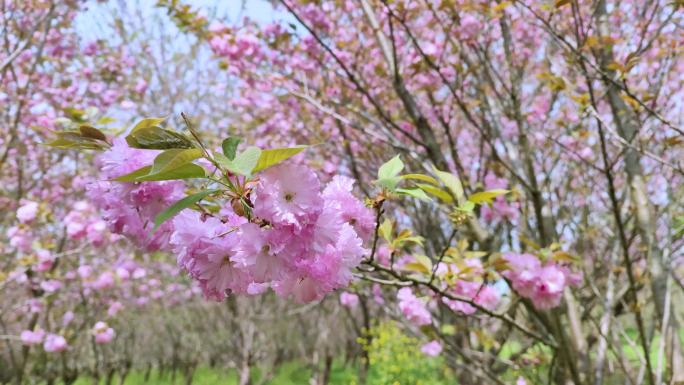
point(179, 206)
point(452, 182)
point(92, 132)
point(133, 176)
point(174, 158)
point(274, 156)
point(486, 196)
point(422, 177)
point(245, 162)
point(436, 191)
point(147, 123)
point(186, 171)
point(414, 192)
point(388, 173)
point(385, 230)
point(423, 264)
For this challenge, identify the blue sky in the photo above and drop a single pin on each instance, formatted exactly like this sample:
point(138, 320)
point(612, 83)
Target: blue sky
point(93, 22)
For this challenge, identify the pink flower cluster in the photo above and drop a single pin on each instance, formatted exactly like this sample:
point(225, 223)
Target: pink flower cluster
point(130, 208)
point(478, 292)
point(27, 212)
point(305, 245)
point(473, 289)
point(414, 309)
point(543, 283)
point(20, 238)
point(432, 348)
point(349, 300)
point(82, 223)
point(52, 343)
point(500, 209)
point(102, 333)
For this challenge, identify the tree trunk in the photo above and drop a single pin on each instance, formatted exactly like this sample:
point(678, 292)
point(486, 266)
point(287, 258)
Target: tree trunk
point(627, 127)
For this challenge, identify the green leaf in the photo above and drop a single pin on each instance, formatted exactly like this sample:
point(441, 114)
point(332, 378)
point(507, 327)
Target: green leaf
point(148, 123)
point(157, 138)
point(466, 207)
point(424, 178)
point(273, 156)
point(184, 203)
point(679, 227)
point(74, 139)
point(244, 162)
point(186, 171)
point(436, 191)
point(75, 114)
point(452, 182)
point(385, 230)
point(174, 158)
point(414, 192)
point(92, 133)
point(230, 146)
point(105, 120)
point(421, 264)
point(133, 176)
point(391, 168)
point(448, 330)
point(486, 196)
point(388, 173)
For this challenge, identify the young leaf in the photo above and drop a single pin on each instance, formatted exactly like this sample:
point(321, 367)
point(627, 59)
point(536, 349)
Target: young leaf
point(74, 139)
point(679, 227)
point(414, 192)
point(436, 191)
point(133, 176)
point(388, 173)
point(422, 177)
point(244, 162)
point(230, 146)
point(421, 264)
point(92, 132)
point(147, 123)
point(157, 138)
point(391, 168)
point(452, 182)
point(385, 230)
point(274, 156)
point(180, 205)
point(174, 158)
point(186, 171)
point(486, 196)
point(466, 207)
point(448, 330)
point(75, 114)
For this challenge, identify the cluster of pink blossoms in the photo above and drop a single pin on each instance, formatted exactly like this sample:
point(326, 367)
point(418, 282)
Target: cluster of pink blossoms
point(306, 245)
point(129, 208)
point(432, 348)
point(349, 300)
point(82, 223)
point(542, 283)
point(474, 290)
point(413, 308)
point(300, 241)
point(55, 343)
point(52, 343)
point(102, 333)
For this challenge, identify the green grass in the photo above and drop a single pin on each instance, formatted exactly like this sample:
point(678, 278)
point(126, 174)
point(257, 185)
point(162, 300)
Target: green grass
point(287, 374)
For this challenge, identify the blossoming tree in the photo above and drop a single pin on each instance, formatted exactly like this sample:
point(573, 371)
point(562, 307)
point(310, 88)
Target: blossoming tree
point(529, 227)
point(571, 106)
